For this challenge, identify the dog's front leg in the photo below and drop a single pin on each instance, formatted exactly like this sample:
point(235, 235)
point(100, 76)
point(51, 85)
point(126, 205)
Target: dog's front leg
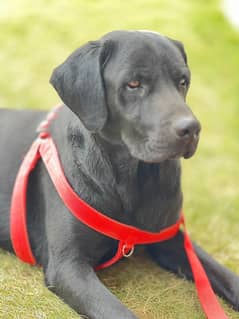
point(171, 256)
point(77, 284)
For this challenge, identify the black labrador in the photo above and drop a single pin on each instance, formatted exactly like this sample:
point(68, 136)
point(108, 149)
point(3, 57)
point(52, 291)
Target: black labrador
point(120, 134)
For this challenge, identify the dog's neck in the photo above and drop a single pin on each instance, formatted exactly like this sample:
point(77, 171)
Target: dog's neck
point(138, 191)
point(124, 171)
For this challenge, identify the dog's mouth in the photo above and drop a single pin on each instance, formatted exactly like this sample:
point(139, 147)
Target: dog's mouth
point(191, 147)
point(185, 148)
point(187, 151)
point(150, 150)
point(155, 154)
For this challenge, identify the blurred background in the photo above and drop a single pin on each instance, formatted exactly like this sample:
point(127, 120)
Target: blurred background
point(35, 36)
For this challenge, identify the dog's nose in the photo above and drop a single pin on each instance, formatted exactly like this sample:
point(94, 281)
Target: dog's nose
point(186, 128)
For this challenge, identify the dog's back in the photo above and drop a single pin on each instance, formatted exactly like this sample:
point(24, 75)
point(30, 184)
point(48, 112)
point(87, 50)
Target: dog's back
point(17, 132)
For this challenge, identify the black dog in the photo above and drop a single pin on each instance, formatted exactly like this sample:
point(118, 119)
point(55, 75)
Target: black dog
point(120, 137)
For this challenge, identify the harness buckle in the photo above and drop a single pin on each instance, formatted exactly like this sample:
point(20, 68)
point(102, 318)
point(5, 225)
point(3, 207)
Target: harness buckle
point(127, 251)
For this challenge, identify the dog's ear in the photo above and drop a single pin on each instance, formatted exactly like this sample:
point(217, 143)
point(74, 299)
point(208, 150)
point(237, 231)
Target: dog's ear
point(79, 83)
point(180, 46)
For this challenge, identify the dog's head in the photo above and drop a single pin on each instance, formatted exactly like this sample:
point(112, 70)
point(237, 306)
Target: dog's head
point(131, 87)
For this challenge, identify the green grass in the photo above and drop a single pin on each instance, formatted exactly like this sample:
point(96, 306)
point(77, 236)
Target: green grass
point(37, 35)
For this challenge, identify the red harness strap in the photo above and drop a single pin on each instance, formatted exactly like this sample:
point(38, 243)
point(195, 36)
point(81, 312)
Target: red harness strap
point(128, 236)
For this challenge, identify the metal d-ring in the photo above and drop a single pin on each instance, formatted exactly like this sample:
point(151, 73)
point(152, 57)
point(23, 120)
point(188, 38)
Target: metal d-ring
point(130, 253)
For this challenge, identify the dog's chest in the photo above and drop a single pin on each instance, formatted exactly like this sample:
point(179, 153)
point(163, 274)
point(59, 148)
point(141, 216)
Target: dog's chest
point(151, 198)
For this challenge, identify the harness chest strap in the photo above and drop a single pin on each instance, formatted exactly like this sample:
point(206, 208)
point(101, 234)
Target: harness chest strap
point(44, 148)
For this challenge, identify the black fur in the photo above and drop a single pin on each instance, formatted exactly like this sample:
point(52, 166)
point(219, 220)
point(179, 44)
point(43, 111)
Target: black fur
point(120, 148)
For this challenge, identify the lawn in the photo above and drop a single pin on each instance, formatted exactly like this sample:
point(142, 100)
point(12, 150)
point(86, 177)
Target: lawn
point(35, 36)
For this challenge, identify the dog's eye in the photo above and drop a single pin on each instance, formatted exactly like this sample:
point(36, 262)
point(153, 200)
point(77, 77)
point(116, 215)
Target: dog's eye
point(132, 85)
point(183, 83)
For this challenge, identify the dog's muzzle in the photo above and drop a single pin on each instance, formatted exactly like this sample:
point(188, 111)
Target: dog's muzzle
point(187, 132)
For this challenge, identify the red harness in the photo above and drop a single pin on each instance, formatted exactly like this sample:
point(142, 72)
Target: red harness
point(128, 236)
